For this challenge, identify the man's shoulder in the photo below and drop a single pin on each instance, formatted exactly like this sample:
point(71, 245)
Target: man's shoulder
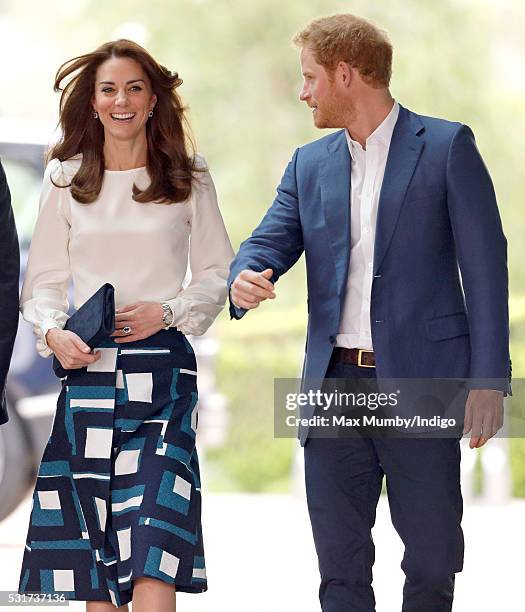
point(437, 126)
point(313, 149)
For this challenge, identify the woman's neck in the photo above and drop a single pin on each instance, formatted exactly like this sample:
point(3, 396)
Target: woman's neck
point(125, 154)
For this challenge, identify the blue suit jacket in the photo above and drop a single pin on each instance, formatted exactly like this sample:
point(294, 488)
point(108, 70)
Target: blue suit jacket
point(9, 273)
point(437, 209)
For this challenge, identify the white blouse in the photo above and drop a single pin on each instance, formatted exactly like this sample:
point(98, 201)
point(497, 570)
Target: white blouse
point(141, 249)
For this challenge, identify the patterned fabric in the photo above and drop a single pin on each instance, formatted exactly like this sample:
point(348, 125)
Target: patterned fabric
point(118, 492)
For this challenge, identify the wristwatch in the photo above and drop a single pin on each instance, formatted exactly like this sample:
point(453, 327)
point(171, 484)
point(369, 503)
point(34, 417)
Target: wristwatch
point(167, 316)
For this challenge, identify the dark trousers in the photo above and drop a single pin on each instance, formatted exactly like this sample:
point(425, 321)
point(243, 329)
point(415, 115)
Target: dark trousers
point(343, 484)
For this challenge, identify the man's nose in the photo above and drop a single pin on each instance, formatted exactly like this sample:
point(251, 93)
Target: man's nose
point(303, 94)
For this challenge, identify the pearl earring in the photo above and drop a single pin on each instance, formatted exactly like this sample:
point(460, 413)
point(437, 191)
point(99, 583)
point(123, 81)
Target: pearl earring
point(95, 115)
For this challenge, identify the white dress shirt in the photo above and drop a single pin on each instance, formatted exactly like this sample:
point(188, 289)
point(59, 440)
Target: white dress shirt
point(141, 249)
point(367, 172)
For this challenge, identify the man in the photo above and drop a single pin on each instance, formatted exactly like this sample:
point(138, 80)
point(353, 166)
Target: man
point(9, 273)
point(385, 210)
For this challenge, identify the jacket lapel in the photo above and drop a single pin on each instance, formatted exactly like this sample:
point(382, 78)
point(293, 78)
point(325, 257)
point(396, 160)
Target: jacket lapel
point(335, 197)
point(405, 149)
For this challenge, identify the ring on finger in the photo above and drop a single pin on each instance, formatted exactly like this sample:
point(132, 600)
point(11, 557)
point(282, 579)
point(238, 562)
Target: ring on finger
point(127, 330)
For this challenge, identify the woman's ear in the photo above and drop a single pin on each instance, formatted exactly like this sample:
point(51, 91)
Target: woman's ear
point(154, 100)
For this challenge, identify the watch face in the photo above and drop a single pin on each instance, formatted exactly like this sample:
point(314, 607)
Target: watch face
point(167, 318)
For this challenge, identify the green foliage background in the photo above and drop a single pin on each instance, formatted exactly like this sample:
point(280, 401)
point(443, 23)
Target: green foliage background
point(459, 60)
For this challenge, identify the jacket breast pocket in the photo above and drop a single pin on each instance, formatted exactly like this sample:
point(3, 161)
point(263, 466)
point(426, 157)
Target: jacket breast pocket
point(448, 326)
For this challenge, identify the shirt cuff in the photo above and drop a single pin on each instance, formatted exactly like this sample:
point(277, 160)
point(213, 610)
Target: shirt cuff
point(43, 328)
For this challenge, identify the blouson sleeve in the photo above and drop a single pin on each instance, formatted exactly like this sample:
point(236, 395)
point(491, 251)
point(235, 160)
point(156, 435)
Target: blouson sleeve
point(210, 253)
point(43, 302)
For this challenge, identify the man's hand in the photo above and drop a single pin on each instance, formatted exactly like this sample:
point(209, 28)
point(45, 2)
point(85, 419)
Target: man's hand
point(483, 415)
point(137, 321)
point(72, 352)
point(251, 288)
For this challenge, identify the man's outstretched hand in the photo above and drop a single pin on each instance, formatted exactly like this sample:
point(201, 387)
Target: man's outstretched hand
point(483, 415)
point(251, 288)
point(484, 407)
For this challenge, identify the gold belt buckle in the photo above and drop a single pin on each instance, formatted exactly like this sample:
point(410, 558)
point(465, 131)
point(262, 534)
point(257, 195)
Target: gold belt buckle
point(359, 359)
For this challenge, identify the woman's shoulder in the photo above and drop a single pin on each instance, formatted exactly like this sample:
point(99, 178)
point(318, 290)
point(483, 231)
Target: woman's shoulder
point(200, 162)
point(62, 172)
point(201, 173)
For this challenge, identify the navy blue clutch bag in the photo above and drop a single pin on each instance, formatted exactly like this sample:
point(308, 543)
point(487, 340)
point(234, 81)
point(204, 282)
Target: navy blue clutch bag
point(93, 322)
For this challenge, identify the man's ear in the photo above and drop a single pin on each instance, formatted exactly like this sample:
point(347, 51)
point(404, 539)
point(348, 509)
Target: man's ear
point(346, 73)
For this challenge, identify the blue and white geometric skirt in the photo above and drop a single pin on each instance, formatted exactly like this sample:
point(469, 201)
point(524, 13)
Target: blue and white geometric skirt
point(118, 492)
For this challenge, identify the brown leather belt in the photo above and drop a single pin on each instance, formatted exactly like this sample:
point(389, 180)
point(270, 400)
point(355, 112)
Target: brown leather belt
point(355, 356)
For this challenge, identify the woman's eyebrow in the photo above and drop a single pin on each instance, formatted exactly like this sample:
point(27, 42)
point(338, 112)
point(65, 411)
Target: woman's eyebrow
point(127, 82)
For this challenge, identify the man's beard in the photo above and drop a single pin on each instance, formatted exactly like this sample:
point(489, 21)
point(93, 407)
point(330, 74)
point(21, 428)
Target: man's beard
point(333, 114)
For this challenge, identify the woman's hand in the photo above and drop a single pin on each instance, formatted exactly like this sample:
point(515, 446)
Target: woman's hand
point(143, 319)
point(72, 352)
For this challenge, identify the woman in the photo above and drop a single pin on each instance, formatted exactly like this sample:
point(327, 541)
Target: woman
point(116, 508)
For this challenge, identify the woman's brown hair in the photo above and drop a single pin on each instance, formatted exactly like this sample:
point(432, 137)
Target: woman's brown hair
point(171, 161)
